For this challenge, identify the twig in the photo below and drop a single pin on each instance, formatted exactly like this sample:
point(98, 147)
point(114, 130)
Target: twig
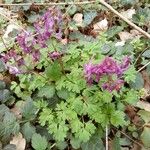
point(144, 66)
point(49, 4)
point(52, 145)
point(130, 138)
point(106, 137)
point(140, 54)
point(9, 19)
point(124, 18)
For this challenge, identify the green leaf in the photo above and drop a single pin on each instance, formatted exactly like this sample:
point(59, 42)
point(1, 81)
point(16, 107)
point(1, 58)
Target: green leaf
point(10, 147)
point(4, 95)
point(146, 54)
point(118, 118)
point(113, 31)
point(145, 136)
point(47, 91)
point(2, 85)
point(28, 131)
point(89, 16)
point(127, 2)
point(138, 83)
point(95, 143)
point(106, 97)
point(54, 71)
point(3, 110)
point(142, 16)
point(116, 143)
point(130, 74)
point(145, 115)
point(63, 93)
point(84, 135)
point(75, 143)
point(29, 110)
point(131, 97)
point(39, 142)
point(61, 145)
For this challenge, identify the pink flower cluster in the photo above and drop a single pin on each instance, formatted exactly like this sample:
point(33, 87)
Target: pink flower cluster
point(48, 25)
point(108, 67)
point(54, 55)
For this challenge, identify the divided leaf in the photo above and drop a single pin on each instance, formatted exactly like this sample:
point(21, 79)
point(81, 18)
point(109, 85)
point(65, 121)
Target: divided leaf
point(39, 142)
point(47, 91)
point(95, 143)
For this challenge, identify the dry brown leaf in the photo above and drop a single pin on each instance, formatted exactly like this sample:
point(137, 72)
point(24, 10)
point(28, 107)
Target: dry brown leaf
point(19, 141)
point(143, 105)
point(64, 41)
point(120, 43)
point(135, 147)
point(10, 28)
point(78, 18)
point(128, 13)
point(124, 36)
point(101, 25)
point(17, 112)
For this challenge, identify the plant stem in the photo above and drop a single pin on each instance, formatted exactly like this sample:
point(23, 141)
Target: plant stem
point(106, 137)
point(144, 66)
point(130, 138)
point(49, 4)
point(140, 55)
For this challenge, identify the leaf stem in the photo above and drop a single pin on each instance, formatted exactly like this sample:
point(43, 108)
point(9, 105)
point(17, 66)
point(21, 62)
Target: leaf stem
point(106, 137)
point(144, 66)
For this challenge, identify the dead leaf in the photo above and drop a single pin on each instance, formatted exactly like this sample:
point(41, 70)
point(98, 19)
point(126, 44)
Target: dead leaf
point(131, 111)
point(78, 18)
point(64, 41)
point(19, 141)
point(136, 147)
point(124, 36)
point(10, 28)
point(17, 112)
point(146, 78)
point(120, 43)
point(128, 13)
point(135, 32)
point(101, 26)
point(143, 105)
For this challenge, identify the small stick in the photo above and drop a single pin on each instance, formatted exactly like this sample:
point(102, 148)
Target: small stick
point(124, 18)
point(49, 4)
point(106, 137)
point(144, 66)
point(130, 138)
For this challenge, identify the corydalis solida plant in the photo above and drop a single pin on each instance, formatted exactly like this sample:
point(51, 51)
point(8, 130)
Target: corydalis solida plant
point(108, 67)
point(47, 26)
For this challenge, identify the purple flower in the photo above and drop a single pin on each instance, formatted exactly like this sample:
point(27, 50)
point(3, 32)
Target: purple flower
point(114, 85)
point(36, 55)
point(26, 41)
point(109, 67)
point(88, 72)
point(9, 55)
point(54, 55)
point(13, 70)
point(126, 63)
point(20, 62)
point(47, 25)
